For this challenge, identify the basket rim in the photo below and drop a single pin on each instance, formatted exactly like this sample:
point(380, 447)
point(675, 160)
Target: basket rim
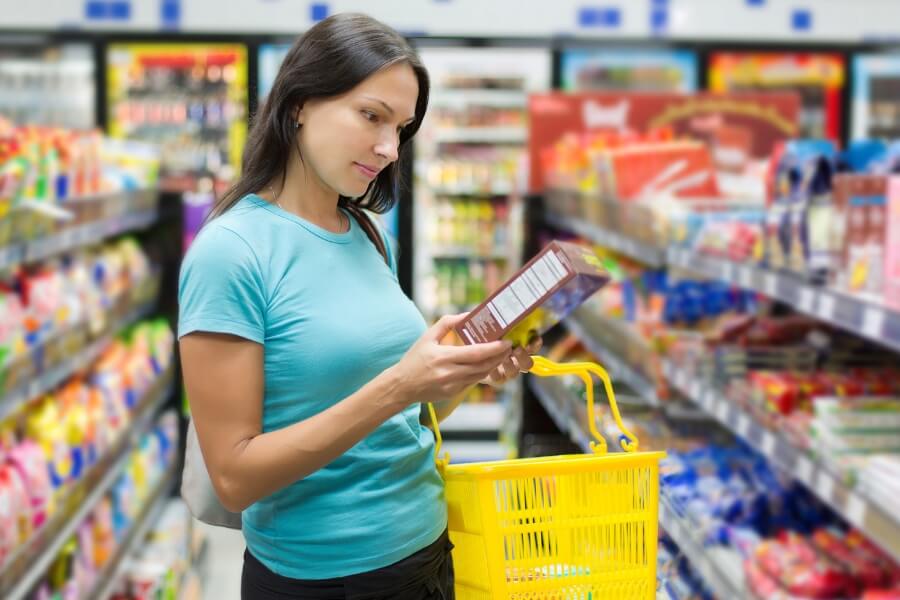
point(552, 465)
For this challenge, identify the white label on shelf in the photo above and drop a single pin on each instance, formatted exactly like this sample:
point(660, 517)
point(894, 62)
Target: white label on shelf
point(873, 321)
point(743, 425)
point(856, 510)
point(722, 409)
point(826, 306)
point(807, 298)
point(728, 271)
point(804, 469)
point(768, 444)
point(709, 399)
point(825, 486)
point(770, 285)
point(705, 570)
point(745, 277)
point(694, 389)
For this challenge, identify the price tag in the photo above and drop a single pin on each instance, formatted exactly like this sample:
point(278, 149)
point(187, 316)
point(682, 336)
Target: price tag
point(728, 271)
point(695, 389)
point(804, 470)
point(745, 277)
point(826, 306)
point(873, 321)
point(856, 510)
point(768, 444)
point(705, 570)
point(807, 298)
point(709, 399)
point(722, 409)
point(743, 425)
point(770, 285)
point(825, 486)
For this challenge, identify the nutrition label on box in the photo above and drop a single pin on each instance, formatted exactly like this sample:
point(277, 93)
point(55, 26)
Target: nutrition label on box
point(561, 276)
point(526, 290)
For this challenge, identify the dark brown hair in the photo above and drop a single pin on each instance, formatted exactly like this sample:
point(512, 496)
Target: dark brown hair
point(330, 59)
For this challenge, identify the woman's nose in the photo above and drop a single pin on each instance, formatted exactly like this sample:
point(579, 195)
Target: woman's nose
point(387, 149)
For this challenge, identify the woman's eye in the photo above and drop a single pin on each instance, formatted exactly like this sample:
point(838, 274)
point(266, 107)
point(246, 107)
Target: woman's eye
point(370, 116)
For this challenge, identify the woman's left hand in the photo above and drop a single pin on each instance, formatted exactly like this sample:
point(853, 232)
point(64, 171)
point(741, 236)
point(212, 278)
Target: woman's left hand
point(519, 362)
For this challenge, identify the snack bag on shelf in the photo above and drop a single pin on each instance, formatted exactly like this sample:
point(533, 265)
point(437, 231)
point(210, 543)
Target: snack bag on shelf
point(793, 562)
point(31, 463)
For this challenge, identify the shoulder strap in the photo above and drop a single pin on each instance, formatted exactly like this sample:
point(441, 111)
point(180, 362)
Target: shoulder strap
point(370, 228)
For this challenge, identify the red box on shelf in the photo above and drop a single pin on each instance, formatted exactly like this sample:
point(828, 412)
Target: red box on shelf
point(684, 169)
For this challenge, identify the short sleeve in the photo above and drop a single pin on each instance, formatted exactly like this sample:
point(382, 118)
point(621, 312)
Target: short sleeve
point(220, 288)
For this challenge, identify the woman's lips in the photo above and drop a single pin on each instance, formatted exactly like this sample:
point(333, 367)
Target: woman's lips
point(367, 171)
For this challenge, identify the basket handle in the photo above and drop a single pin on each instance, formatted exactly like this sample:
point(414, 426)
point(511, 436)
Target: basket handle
point(544, 367)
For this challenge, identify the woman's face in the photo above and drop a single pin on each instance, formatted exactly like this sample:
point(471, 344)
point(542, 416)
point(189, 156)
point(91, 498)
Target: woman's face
point(347, 140)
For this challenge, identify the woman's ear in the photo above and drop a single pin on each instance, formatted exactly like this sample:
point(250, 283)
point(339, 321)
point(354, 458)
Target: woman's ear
point(298, 115)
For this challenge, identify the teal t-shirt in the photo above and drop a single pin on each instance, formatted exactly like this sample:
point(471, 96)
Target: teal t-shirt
point(331, 316)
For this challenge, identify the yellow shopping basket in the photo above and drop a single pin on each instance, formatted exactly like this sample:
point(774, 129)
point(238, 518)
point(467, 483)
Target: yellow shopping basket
point(578, 527)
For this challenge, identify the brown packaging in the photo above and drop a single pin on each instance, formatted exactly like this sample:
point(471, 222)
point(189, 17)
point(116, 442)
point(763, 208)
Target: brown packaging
point(862, 199)
point(537, 297)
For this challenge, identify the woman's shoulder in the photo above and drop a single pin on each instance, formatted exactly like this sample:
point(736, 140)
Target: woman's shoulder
point(241, 222)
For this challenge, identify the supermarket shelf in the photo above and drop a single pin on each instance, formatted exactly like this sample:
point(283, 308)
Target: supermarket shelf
point(557, 401)
point(451, 98)
point(856, 315)
point(472, 190)
point(643, 252)
point(487, 416)
point(720, 570)
point(850, 313)
point(56, 375)
point(870, 516)
point(467, 252)
point(581, 323)
point(29, 565)
point(482, 135)
point(75, 237)
point(109, 577)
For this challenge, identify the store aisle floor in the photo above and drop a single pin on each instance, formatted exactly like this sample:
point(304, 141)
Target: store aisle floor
point(224, 560)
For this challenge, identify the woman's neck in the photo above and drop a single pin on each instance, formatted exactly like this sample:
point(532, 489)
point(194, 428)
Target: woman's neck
point(307, 196)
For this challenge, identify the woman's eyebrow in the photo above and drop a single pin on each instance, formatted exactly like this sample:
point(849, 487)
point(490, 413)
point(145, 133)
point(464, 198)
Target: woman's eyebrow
point(386, 106)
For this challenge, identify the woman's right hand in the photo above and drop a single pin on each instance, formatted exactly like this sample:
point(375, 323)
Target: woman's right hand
point(431, 371)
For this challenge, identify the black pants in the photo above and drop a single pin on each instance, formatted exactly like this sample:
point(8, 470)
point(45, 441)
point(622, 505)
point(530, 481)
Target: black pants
point(425, 575)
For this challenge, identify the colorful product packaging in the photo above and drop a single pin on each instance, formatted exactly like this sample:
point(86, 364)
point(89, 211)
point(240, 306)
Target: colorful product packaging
point(892, 245)
point(538, 296)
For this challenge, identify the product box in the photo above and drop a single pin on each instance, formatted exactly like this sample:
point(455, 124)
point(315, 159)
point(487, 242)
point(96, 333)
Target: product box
point(537, 297)
point(863, 253)
point(892, 246)
point(682, 169)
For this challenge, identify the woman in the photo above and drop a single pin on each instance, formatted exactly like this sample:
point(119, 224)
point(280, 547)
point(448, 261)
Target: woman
point(306, 366)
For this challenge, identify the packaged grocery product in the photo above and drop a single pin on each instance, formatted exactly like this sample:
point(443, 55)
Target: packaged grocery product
point(892, 245)
point(867, 572)
point(31, 463)
point(538, 296)
point(863, 252)
point(802, 216)
point(794, 563)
